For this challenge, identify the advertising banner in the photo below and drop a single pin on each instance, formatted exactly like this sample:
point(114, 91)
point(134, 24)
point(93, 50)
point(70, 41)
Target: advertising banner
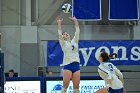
point(128, 52)
point(22, 87)
point(86, 86)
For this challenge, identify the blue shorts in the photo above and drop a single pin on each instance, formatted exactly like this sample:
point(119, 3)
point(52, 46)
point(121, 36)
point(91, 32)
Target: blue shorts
point(115, 90)
point(73, 67)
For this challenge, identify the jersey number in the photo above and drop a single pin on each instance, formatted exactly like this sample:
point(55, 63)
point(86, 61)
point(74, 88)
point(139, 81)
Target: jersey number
point(110, 67)
point(72, 47)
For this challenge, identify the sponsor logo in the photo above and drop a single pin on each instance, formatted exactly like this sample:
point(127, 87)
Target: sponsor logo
point(57, 88)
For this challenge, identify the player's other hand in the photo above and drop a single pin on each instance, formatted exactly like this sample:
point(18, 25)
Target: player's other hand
point(107, 87)
point(59, 19)
point(103, 90)
point(124, 91)
point(73, 18)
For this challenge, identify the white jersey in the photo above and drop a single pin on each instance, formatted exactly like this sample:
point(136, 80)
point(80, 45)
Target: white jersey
point(70, 48)
point(108, 71)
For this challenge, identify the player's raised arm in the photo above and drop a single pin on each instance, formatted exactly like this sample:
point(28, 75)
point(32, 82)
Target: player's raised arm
point(59, 24)
point(76, 37)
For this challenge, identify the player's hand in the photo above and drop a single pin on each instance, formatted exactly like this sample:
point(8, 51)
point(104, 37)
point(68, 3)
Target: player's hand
point(107, 87)
point(103, 90)
point(124, 91)
point(73, 18)
point(59, 19)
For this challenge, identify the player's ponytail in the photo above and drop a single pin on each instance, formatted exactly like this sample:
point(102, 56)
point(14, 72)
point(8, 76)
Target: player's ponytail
point(105, 56)
point(113, 56)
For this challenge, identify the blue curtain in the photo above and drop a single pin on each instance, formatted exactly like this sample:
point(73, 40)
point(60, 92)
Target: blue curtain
point(87, 9)
point(123, 10)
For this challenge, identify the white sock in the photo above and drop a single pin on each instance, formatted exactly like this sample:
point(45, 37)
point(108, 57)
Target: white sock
point(76, 90)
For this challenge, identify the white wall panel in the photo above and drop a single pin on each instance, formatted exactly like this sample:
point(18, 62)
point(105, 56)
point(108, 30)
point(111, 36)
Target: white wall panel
point(10, 12)
point(11, 47)
point(137, 32)
point(28, 34)
point(88, 32)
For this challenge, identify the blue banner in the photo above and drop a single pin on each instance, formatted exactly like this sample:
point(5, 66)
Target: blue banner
point(87, 9)
point(128, 52)
point(123, 10)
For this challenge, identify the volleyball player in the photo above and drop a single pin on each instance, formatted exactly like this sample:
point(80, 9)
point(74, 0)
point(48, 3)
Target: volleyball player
point(71, 68)
point(112, 76)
